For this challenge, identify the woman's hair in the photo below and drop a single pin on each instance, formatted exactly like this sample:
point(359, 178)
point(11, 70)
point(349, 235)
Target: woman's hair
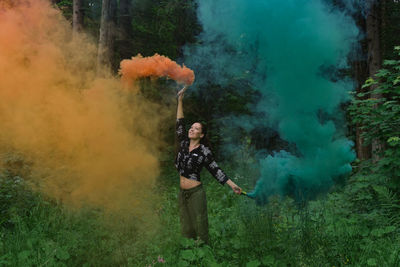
point(204, 129)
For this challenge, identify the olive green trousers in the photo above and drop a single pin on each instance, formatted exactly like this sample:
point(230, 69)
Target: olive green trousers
point(193, 213)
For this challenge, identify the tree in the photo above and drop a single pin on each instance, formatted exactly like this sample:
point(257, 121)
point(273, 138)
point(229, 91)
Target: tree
point(77, 16)
point(106, 35)
point(360, 72)
point(366, 61)
point(124, 40)
point(373, 26)
point(125, 18)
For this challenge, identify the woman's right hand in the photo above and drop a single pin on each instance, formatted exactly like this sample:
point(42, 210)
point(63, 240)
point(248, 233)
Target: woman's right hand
point(181, 93)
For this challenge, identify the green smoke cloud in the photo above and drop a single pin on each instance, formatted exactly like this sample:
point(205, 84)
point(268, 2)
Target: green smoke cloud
point(293, 49)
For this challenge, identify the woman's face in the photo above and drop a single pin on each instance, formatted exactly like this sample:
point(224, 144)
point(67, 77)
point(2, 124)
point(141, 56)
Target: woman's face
point(195, 131)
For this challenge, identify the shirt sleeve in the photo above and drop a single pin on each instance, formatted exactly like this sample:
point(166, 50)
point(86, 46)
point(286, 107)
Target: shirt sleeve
point(213, 167)
point(180, 130)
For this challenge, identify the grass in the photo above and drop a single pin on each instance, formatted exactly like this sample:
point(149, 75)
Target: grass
point(354, 226)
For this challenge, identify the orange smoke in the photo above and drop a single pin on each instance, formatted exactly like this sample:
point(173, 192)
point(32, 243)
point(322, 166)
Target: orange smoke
point(87, 141)
point(159, 66)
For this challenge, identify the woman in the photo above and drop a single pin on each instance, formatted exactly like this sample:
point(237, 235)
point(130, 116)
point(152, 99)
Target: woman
point(193, 154)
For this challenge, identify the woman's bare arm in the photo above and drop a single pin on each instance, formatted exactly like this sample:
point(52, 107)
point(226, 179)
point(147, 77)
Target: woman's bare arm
point(179, 112)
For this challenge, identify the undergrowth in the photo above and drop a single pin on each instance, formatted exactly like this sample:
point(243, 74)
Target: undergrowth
point(355, 225)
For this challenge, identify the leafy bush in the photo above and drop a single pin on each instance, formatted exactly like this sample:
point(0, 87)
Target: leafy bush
point(378, 113)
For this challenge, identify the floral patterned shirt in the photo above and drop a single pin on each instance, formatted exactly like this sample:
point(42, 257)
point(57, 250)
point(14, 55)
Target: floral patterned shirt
point(189, 164)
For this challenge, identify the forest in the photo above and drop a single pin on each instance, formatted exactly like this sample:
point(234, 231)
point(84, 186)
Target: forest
point(301, 99)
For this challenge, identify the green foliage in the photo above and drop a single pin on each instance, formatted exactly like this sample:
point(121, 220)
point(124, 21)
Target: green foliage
point(355, 226)
point(390, 19)
point(15, 198)
point(66, 7)
point(377, 112)
point(163, 26)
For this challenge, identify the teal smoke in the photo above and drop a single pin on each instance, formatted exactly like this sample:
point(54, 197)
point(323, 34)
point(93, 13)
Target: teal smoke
point(291, 51)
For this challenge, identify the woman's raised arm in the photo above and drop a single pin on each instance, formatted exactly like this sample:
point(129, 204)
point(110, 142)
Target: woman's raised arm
point(179, 112)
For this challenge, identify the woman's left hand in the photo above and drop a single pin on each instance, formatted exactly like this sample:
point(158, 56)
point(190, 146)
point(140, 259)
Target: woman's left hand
point(234, 187)
point(237, 190)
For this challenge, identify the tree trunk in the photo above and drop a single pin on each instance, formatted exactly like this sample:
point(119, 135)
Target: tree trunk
point(374, 57)
point(124, 42)
point(77, 16)
point(373, 36)
point(125, 18)
point(361, 73)
point(106, 36)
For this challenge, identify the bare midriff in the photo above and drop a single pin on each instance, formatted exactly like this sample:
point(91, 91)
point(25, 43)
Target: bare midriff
point(188, 183)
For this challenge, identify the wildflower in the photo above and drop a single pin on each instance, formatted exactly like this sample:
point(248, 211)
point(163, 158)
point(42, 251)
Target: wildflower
point(160, 259)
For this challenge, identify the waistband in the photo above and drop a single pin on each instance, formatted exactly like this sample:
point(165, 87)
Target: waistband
point(192, 190)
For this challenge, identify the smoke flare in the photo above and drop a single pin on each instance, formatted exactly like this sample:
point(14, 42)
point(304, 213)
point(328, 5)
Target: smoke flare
point(158, 66)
